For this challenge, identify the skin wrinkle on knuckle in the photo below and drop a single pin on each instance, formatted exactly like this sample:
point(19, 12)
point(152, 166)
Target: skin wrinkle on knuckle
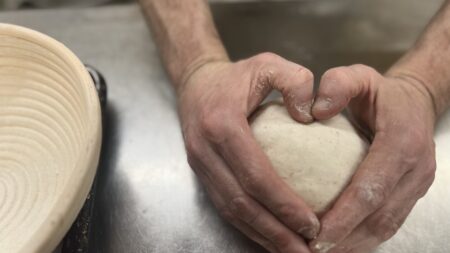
point(253, 181)
point(265, 77)
point(261, 87)
point(242, 207)
point(370, 194)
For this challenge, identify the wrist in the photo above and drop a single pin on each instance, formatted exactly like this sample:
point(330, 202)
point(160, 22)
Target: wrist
point(195, 66)
point(422, 89)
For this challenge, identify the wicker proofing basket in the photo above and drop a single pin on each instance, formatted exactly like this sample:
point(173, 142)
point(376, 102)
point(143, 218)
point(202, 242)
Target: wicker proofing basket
point(50, 134)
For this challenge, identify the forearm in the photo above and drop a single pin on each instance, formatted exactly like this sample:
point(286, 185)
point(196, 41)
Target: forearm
point(185, 34)
point(429, 60)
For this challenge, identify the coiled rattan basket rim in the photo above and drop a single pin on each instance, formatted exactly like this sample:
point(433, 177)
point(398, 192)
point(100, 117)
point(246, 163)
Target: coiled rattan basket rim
point(75, 191)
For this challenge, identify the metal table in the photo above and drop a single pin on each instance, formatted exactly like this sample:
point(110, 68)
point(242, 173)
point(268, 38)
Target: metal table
point(148, 199)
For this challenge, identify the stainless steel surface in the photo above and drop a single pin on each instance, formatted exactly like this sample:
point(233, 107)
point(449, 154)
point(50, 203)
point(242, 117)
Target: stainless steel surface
point(39, 4)
point(322, 34)
point(148, 198)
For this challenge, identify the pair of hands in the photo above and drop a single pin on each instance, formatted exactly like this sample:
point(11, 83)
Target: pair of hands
point(396, 109)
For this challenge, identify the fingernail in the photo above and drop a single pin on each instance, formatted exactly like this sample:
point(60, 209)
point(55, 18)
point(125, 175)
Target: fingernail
point(323, 104)
point(323, 247)
point(308, 232)
point(305, 111)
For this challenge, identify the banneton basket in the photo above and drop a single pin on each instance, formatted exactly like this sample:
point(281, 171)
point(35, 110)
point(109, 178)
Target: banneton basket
point(50, 135)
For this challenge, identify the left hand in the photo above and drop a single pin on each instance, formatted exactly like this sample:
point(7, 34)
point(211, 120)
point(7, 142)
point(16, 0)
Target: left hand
point(400, 166)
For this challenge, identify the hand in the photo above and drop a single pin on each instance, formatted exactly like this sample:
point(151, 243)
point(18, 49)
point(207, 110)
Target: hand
point(214, 105)
point(399, 168)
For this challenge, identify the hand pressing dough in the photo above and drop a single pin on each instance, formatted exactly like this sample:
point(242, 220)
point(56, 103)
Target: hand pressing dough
point(317, 160)
point(50, 135)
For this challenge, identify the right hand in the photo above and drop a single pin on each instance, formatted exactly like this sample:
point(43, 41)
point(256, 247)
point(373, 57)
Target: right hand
point(214, 104)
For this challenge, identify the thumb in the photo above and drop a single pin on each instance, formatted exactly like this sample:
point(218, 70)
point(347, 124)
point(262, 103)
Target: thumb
point(294, 81)
point(340, 85)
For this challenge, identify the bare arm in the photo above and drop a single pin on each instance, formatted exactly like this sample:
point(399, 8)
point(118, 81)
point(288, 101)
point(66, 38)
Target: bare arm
point(215, 97)
point(185, 35)
point(429, 60)
point(400, 109)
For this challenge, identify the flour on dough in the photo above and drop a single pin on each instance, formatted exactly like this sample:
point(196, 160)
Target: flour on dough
point(317, 160)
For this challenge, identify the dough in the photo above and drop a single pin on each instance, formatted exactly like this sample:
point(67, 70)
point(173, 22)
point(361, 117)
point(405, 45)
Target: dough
point(317, 160)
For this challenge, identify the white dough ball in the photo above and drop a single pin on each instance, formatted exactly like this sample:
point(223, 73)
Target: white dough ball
point(317, 160)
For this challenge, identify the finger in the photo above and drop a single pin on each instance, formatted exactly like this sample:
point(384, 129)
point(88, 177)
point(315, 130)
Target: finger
point(386, 221)
point(253, 169)
point(251, 213)
point(370, 187)
point(253, 235)
point(239, 208)
point(295, 82)
point(339, 85)
point(377, 229)
point(228, 215)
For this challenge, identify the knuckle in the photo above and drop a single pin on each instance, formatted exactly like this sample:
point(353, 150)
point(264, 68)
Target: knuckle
point(364, 68)
point(239, 205)
point(213, 126)
point(193, 149)
point(305, 74)
point(415, 139)
point(209, 121)
point(266, 57)
point(332, 76)
point(280, 239)
point(416, 144)
point(286, 212)
point(253, 183)
point(308, 74)
point(430, 169)
point(429, 173)
point(266, 68)
point(384, 226)
point(243, 208)
point(371, 194)
point(265, 76)
point(226, 214)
